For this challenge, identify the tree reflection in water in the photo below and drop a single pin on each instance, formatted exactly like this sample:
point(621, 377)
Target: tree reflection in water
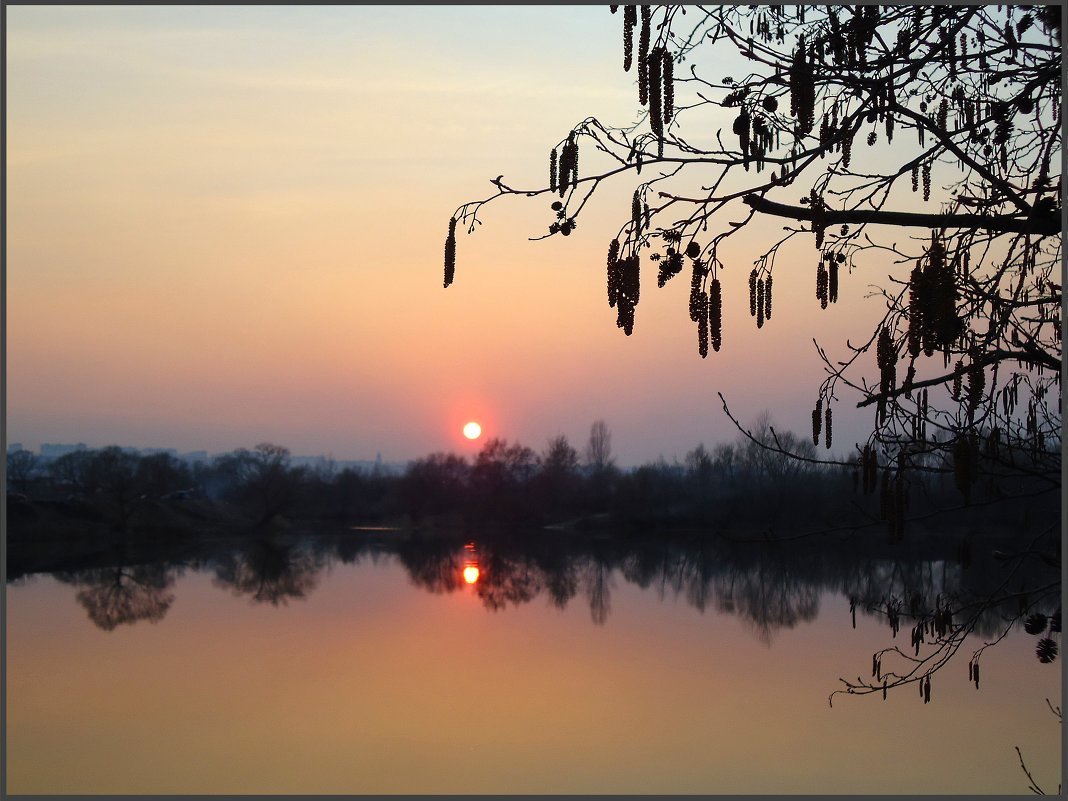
point(270, 571)
point(931, 592)
point(122, 594)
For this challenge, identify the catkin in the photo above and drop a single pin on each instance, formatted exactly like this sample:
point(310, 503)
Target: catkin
point(767, 297)
point(832, 281)
point(916, 324)
point(802, 88)
point(715, 313)
point(752, 293)
point(702, 325)
point(696, 277)
point(655, 95)
point(760, 303)
point(563, 168)
point(976, 385)
point(636, 212)
point(958, 375)
point(926, 174)
point(827, 425)
point(552, 171)
point(643, 57)
point(668, 72)
point(613, 272)
point(886, 357)
point(450, 252)
point(630, 19)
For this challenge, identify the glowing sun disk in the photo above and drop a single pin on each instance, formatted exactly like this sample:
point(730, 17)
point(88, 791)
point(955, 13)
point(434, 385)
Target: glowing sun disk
point(472, 430)
point(470, 574)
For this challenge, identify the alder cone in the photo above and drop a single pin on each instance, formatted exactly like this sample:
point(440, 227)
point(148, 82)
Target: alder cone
point(669, 268)
point(1035, 624)
point(1046, 650)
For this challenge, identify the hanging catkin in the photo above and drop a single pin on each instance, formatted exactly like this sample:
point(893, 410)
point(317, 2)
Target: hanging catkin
point(715, 313)
point(630, 19)
point(450, 252)
point(668, 72)
point(613, 272)
point(643, 57)
point(655, 96)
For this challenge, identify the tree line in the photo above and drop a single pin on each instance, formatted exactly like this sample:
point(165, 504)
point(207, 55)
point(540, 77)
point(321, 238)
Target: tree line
point(766, 483)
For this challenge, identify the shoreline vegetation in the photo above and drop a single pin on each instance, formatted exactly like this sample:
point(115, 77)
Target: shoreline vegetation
point(736, 492)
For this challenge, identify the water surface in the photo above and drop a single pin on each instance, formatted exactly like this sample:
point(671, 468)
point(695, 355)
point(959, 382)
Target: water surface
point(366, 663)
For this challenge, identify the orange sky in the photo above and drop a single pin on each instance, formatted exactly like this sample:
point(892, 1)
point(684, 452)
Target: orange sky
point(225, 226)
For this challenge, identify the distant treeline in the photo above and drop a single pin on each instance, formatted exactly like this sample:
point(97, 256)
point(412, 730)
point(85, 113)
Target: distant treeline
point(745, 488)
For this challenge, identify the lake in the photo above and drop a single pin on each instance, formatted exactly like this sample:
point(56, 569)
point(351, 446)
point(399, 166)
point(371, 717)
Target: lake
point(372, 662)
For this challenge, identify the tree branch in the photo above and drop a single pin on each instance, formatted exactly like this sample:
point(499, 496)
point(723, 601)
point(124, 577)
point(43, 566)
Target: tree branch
point(1044, 224)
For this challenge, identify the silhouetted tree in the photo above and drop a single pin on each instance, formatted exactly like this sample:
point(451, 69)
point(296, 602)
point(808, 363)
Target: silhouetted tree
point(599, 447)
point(262, 479)
point(558, 482)
point(500, 477)
point(160, 473)
point(855, 125)
point(435, 484)
point(112, 472)
point(20, 467)
point(71, 471)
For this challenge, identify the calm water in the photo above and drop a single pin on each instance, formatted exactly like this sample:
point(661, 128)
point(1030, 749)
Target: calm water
point(369, 664)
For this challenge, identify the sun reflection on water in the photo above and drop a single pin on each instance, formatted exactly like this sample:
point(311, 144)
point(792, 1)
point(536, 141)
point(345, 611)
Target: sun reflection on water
point(471, 571)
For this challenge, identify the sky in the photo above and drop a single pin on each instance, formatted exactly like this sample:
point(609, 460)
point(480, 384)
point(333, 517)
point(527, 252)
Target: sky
point(226, 226)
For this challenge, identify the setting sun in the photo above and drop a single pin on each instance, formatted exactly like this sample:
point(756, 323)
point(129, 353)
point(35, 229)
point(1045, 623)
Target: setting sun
point(471, 574)
point(472, 430)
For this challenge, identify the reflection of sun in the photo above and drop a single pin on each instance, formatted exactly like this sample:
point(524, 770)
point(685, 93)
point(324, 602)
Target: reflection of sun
point(472, 430)
point(471, 574)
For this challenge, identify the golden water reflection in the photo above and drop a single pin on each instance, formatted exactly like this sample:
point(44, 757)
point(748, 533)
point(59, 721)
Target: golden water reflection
point(333, 665)
point(471, 571)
